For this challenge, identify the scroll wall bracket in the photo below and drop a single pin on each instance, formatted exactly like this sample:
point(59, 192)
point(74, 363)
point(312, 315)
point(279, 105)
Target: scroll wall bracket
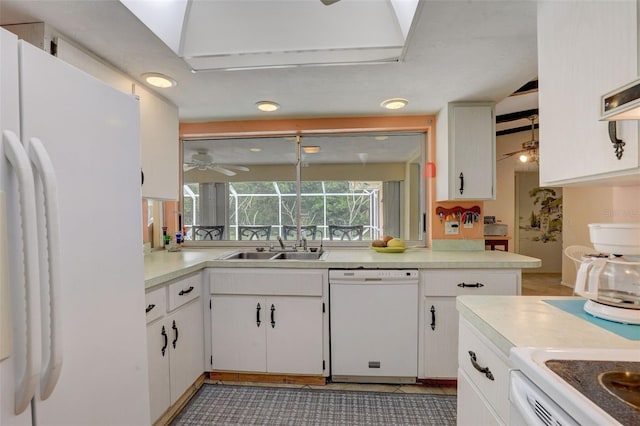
point(618, 144)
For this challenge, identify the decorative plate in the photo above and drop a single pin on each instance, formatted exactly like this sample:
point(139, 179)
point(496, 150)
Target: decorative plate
point(389, 249)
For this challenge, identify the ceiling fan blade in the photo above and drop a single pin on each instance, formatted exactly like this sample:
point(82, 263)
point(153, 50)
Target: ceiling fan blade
point(223, 170)
point(234, 167)
point(509, 154)
point(187, 167)
point(329, 2)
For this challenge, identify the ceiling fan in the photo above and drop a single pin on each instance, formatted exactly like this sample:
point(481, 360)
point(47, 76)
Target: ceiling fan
point(329, 2)
point(203, 161)
point(529, 151)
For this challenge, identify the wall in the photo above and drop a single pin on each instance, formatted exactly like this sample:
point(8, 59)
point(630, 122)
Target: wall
point(503, 207)
point(585, 205)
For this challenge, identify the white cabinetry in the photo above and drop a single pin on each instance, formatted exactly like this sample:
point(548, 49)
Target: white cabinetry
point(269, 320)
point(160, 147)
point(439, 318)
point(174, 341)
point(483, 380)
point(158, 117)
point(580, 58)
point(466, 151)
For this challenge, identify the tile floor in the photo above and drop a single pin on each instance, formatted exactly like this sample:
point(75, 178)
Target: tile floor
point(538, 284)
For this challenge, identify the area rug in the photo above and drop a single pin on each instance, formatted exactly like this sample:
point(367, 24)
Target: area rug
point(254, 405)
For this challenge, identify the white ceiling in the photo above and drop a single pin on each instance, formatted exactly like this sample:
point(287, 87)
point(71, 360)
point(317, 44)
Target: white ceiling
point(457, 50)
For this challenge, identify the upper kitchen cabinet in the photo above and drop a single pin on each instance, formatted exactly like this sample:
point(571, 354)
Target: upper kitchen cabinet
point(585, 49)
point(466, 151)
point(158, 118)
point(160, 147)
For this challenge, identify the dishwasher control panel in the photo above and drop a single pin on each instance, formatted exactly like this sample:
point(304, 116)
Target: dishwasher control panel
point(373, 274)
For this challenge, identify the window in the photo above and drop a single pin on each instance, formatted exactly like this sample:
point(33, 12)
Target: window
point(368, 184)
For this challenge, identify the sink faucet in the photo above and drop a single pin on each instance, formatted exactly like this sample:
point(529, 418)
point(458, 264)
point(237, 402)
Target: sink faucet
point(281, 243)
point(304, 244)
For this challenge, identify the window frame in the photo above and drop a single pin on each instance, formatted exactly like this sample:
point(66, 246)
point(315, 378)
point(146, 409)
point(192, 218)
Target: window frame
point(307, 127)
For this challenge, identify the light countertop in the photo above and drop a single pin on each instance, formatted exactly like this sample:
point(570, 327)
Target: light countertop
point(162, 266)
point(522, 321)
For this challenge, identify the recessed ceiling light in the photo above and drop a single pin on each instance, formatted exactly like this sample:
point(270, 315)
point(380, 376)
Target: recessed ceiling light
point(255, 149)
point(311, 149)
point(381, 138)
point(267, 106)
point(159, 80)
point(394, 103)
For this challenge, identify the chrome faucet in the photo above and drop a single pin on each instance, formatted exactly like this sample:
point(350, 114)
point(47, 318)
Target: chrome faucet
point(281, 243)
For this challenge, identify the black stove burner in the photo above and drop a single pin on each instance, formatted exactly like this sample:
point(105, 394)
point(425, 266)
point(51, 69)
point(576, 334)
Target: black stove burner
point(611, 385)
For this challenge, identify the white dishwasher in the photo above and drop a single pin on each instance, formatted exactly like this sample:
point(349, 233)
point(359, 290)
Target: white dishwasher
point(374, 325)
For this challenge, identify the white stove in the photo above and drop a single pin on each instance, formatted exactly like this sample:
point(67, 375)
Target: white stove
point(552, 386)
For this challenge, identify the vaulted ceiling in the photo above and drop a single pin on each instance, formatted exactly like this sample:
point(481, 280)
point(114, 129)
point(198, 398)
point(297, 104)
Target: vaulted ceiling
point(456, 51)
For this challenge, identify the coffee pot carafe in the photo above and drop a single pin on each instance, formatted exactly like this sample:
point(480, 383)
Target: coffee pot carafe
point(612, 284)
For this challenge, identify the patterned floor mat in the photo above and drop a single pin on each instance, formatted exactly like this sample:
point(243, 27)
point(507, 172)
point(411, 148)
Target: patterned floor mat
point(254, 405)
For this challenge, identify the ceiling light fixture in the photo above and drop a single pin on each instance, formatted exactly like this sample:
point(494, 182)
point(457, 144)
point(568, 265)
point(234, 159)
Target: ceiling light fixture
point(311, 149)
point(267, 106)
point(255, 149)
point(524, 158)
point(159, 80)
point(394, 103)
point(381, 138)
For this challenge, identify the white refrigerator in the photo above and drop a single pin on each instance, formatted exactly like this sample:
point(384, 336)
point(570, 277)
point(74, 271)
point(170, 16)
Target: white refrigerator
point(72, 322)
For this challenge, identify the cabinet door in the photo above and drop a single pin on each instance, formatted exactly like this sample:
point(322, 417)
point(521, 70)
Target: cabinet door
point(465, 151)
point(294, 338)
point(472, 408)
point(159, 389)
point(185, 329)
point(574, 144)
point(238, 333)
point(472, 135)
point(440, 338)
point(160, 148)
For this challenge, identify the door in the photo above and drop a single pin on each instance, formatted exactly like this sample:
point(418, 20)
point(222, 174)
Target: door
point(238, 328)
point(158, 355)
point(186, 361)
point(91, 133)
point(374, 329)
point(294, 338)
point(440, 338)
point(12, 368)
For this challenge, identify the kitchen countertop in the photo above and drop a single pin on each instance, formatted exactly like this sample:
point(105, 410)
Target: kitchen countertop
point(162, 266)
point(523, 321)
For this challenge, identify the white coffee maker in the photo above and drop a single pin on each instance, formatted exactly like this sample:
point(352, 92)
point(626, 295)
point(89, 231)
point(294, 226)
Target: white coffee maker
point(612, 284)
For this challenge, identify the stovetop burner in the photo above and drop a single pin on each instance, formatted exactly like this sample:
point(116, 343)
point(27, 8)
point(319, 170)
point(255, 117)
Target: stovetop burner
point(612, 385)
point(624, 385)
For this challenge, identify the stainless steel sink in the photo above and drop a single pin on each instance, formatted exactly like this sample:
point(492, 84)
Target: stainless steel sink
point(269, 255)
point(300, 255)
point(249, 255)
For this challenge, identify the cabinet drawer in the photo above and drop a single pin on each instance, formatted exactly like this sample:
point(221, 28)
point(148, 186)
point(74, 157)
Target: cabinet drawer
point(183, 291)
point(273, 282)
point(155, 304)
point(496, 390)
point(472, 281)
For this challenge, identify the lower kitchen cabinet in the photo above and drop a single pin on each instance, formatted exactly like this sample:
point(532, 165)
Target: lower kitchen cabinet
point(483, 380)
point(284, 332)
point(438, 327)
point(174, 341)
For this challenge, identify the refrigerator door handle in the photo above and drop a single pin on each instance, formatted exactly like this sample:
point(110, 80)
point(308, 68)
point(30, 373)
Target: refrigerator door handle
point(27, 384)
point(49, 260)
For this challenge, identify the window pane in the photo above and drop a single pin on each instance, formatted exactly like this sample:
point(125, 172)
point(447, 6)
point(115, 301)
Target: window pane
point(368, 182)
